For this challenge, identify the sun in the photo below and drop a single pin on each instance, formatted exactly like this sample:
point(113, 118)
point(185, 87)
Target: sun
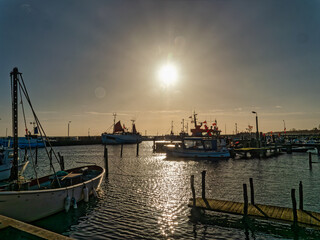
point(168, 74)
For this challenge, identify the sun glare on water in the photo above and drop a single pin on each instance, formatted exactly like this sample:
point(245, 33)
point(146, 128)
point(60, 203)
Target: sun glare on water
point(168, 74)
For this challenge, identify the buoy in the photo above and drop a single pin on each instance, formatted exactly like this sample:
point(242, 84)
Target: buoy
point(95, 194)
point(67, 203)
point(74, 202)
point(85, 194)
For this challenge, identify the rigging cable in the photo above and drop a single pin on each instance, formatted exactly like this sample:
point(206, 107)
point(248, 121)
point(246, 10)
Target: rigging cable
point(42, 132)
point(25, 124)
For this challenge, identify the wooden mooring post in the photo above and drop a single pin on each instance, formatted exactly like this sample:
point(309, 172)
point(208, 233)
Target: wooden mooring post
point(137, 149)
point(245, 200)
point(294, 206)
point(203, 184)
point(36, 162)
point(121, 151)
point(300, 196)
point(310, 161)
point(25, 154)
point(106, 161)
point(61, 162)
point(193, 190)
point(251, 191)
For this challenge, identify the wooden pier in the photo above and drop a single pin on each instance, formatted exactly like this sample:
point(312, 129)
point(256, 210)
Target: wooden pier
point(258, 210)
point(258, 152)
point(30, 229)
point(268, 212)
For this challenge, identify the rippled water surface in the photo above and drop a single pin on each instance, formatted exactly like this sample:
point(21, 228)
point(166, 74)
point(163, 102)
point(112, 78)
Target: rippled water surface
point(147, 196)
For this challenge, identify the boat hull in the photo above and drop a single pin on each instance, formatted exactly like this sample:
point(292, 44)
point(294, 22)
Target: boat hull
point(23, 142)
point(32, 205)
point(115, 139)
point(197, 154)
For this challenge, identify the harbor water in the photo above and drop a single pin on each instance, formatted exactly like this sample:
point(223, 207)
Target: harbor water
point(147, 196)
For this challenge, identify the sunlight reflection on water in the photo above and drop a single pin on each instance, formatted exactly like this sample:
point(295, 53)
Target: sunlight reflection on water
point(147, 196)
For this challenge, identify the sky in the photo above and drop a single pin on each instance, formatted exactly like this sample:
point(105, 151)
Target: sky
point(82, 61)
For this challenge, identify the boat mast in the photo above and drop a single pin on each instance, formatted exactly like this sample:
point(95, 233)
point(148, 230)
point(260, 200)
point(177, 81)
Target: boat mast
point(114, 121)
point(182, 125)
point(14, 83)
point(171, 127)
point(195, 119)
point(132, 124)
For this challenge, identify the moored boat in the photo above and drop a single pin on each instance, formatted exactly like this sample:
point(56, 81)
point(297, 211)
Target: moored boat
point(32, 199)
point(196, 147)
point(121, 135)
point(45, 196)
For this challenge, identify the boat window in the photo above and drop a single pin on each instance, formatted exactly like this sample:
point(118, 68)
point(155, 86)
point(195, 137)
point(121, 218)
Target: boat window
point(197, 144)
point(208, 144)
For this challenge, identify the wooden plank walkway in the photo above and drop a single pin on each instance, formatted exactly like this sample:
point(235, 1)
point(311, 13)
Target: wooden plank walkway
point(258, 210)
point(33, 230)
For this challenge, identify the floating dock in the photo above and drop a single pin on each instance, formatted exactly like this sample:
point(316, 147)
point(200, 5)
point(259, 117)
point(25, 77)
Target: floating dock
point(30, 229)
point(258, 210)
point(268, 212)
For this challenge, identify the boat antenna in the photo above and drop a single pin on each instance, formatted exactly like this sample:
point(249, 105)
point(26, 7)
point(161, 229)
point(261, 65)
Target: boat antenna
point(132, 120)
point(195, 119)
point(14, 94)
point(114, 120)
point(171, 127)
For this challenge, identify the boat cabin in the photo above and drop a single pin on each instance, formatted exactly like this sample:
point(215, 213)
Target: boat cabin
point(206, 144)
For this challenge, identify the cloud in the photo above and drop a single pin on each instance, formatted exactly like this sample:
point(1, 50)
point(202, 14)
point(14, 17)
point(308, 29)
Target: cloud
point(278, 107)
point(26, 8)
point(47, 112)
point(99, 113)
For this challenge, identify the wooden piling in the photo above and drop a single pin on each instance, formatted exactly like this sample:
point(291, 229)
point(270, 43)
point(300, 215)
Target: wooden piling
point(245, 200)
point(203, 184)
point(137, 149)
point(121, 151)
point(294, 206)
point(310, 161)
point(154, 145)
point(62, 163)
point(193, 190)
point(36, 161)
point(251, 191)
point(50, 156)
point(106, 160)
point(300, 196)
point(25, 154)
point(289, 149)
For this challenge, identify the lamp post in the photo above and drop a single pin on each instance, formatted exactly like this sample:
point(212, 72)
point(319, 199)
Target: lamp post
point(258, 135)
point(68, 127)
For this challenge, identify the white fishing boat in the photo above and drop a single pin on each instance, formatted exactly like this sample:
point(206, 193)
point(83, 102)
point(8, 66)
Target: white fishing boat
point(48, 195)
point(196, 147)
point(30, 200)
point(121, 135)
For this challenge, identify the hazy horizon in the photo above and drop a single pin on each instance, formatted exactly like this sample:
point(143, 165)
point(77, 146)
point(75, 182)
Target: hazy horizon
point(83, 61)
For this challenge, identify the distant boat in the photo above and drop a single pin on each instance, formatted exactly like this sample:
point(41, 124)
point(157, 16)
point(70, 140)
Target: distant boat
point(197, 131)
point(6, 159)
point(196, 147)
point(121, 135)
point(24, 142)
